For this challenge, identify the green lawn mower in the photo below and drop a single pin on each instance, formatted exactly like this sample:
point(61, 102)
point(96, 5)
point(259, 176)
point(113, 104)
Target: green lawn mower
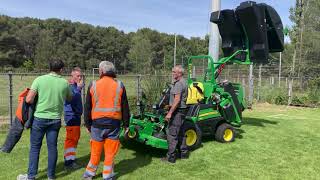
point(248, 34)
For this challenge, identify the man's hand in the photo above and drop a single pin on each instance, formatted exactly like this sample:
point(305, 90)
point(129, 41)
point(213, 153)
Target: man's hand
point(80, 84)
point(70, 81)
point(88, 128)
point(125, 130)
point(168, 117)
point(31, 95)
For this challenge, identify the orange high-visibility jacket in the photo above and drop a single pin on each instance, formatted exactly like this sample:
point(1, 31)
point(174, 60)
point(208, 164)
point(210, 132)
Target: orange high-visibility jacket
point(106, 96)
point(22, 112)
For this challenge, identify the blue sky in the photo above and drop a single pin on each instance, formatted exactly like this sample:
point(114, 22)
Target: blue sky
point(185, 17)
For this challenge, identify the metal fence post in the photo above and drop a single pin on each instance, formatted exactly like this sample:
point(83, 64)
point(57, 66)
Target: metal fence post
point(290, 91)
point(139, 93)
point(138, 88)
point(83, 88)
point(250, 99)
point(10, 97)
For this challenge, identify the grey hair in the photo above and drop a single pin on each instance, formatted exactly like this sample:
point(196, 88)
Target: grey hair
point(180, 69)
point(107, 67)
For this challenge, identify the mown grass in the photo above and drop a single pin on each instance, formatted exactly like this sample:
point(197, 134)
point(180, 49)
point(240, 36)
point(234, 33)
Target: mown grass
point(275, 142)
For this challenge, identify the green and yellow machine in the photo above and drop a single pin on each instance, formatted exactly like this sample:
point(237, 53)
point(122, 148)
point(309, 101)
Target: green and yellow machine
point(249, 33)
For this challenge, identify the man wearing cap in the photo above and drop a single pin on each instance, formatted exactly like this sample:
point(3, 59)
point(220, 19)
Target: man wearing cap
point(106, 107)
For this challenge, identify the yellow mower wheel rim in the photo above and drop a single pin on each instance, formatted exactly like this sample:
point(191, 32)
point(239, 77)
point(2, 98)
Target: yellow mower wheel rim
point(191, 137)
point(228, 135)
point(132, 134)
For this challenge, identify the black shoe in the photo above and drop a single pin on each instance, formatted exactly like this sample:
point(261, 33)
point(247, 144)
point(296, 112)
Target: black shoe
point(184, 155)
point(72, 166)
point(170, 160)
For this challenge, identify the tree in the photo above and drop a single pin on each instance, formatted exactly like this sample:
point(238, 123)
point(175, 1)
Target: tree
point(84, 45)
point(45, 49)
point(140, 54)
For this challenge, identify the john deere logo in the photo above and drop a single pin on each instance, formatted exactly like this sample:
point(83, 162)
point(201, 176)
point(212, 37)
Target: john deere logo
point(209, 113)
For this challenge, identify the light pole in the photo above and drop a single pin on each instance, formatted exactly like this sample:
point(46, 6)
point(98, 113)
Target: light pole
point(214, 35)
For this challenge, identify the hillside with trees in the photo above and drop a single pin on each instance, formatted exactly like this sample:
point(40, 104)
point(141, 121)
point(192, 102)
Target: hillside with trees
point(29, 43)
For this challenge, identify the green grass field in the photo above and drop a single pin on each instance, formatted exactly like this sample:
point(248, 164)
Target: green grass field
point(275, 142)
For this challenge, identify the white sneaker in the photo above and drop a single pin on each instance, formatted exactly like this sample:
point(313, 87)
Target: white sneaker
point(23, 177)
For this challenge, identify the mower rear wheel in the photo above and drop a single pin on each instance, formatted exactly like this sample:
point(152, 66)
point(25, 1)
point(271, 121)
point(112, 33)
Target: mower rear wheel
point(225, 133)
point(193, 135)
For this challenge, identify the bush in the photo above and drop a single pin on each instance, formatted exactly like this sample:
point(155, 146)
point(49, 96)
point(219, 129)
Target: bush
point(28, 64)
point(152, 88)
point(273, 95)
point(307, 97)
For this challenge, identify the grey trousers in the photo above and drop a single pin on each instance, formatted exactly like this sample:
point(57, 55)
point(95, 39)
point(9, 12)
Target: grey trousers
point(13, 136)
point(175, 136)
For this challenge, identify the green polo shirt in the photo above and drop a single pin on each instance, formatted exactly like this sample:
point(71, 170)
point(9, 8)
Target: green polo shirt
point(52, 91)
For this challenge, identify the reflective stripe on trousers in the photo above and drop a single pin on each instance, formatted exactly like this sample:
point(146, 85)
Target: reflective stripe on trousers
point(91, 169)
point(107, 172)
point(70, 154)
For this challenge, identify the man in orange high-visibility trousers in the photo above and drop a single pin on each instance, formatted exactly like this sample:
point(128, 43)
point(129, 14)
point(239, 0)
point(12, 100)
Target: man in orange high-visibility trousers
point(72, 117)
point(106, 107)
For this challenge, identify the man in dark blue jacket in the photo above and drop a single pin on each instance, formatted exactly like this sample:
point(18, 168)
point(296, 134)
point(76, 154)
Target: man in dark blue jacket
point(72, 116)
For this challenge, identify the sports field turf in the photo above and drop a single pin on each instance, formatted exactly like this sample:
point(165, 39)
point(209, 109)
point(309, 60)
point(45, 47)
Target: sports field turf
point(275, 142)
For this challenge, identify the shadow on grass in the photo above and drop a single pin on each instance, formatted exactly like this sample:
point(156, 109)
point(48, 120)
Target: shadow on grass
point(257, 122)
point(60, 170)
point(245, 122)
point(142, 157)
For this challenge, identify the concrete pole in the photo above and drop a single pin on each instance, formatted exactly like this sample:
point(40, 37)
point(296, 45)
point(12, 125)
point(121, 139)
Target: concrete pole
point(280, 70)
point(214, 35)
point(259, 83)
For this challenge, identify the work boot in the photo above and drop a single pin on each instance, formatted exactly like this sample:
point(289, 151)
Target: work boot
point(183, 155)
point(85, 176)
point(168, 159)
point(72, 166)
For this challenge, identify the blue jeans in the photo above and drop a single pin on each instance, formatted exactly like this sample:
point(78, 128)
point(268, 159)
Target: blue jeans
point(40, 127)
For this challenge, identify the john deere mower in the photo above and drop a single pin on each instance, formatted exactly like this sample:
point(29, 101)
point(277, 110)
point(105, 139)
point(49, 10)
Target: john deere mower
point(249, 33)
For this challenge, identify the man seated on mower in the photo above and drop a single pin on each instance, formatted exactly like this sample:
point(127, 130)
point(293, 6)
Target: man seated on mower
point(176, 116)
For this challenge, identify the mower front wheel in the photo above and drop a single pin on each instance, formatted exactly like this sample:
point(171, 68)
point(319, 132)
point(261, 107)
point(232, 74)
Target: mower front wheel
point(225, 133)
point(131, 134)
point(192, 133)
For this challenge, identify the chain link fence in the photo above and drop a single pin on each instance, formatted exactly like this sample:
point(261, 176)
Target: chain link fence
point(264, 80)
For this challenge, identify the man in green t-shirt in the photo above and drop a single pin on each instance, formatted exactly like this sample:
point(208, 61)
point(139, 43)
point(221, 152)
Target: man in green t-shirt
point(52, 91)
